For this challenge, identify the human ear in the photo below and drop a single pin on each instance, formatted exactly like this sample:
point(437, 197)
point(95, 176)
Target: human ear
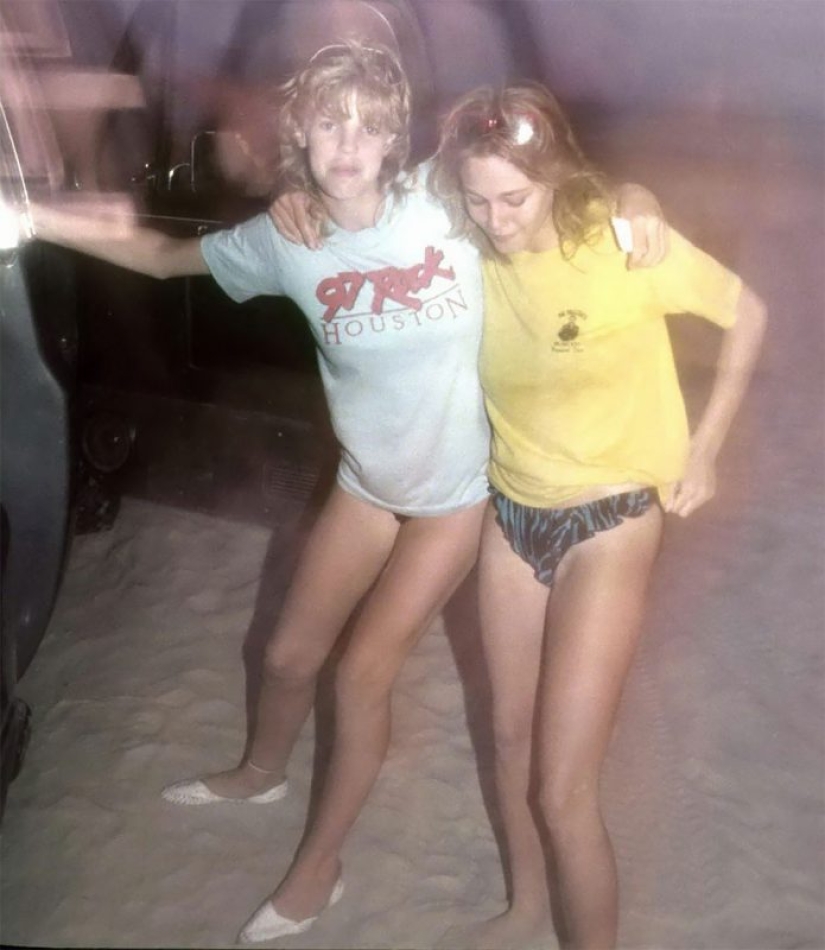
point(301, 139)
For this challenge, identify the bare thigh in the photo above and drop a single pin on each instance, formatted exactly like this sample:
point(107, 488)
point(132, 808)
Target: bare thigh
point(430, 558)
point(347, 549)
point(593, 623)
point(513, 605)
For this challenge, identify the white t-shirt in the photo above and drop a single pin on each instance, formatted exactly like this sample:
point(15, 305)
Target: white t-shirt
point(396, 311)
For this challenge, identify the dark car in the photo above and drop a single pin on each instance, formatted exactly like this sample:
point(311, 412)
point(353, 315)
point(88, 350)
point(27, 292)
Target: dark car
point(38, 367)
point(35, 465)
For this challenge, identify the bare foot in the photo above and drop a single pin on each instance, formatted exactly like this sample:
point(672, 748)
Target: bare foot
point(242, 782)
point(509, 931)
point(305, 893)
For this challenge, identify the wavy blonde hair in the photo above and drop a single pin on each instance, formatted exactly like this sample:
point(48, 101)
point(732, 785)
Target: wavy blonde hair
point(524, 125)
point(327, 85)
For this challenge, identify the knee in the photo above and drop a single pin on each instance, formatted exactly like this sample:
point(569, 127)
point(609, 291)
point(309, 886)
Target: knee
point(568, 802)
point(291, 662)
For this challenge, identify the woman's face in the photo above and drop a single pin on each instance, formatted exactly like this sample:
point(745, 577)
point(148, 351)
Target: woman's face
point(511, 209)
point(345, 154)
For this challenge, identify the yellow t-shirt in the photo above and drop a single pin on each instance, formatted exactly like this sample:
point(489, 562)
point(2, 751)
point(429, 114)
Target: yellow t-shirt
point(578, 371)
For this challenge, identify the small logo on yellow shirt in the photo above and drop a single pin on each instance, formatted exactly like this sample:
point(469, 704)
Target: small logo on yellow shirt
point(569, 331)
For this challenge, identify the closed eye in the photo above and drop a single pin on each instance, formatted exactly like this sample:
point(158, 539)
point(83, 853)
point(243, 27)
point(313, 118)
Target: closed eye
point(512, 201)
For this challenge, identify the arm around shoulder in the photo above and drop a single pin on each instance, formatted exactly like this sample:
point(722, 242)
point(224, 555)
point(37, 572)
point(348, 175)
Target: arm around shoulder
point(648, 227)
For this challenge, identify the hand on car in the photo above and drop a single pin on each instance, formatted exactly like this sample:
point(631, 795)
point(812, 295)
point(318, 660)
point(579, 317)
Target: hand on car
point(110, 217)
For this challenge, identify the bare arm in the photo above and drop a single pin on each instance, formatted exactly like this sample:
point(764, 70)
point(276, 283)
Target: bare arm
point(111, 233)
point(737, 358)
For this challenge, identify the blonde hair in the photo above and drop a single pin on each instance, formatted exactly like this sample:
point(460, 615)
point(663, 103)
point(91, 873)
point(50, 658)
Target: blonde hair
point(524, 125)
point(327, 85)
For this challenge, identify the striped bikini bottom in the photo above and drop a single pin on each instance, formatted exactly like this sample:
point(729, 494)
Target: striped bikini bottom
point(542, 536)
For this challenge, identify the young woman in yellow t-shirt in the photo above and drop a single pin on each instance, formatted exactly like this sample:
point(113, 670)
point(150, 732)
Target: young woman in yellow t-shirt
point(590, 449)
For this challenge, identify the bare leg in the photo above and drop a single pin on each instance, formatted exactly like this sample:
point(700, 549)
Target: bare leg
point(593, 623)
point(345, 552)
point(513, 605)
point(430, 558)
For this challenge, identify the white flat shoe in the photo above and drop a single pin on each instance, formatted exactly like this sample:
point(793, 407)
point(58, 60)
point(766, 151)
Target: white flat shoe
point(196, 792)
point(267, 924)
